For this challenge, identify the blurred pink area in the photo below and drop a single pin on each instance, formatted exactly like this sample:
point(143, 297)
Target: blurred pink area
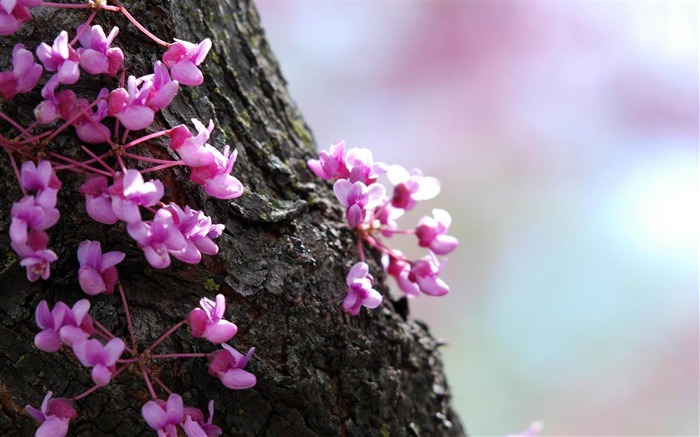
point(566, 138)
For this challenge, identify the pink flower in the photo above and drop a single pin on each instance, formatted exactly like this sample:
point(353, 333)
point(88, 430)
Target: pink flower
point(183, 58)
point(228, 365)
point(87, 125)
point(400, 269)
point(97, 273)
point(129, 191)
point(163, 90)
point(410, 187)
point(193, 150)
point(362, 167)
point(164, 417)
point(96, 56)
point(360, 291)
point(158, 239)
point(13, 13)
point(24, 75)
point(54, 416)
point(28, 214)
point(60, 57)
point(330, 165)
point(98, 201)
point(432, 233)
point(208, 322)
point(216, 178)
point(198, 231)
point(102, 359)
point(50, 322)
point(424, 272)
point(62, 324)
point(41, 179)
point(195, 426)
point(358, 198)
point(130, 105)
point(36, 257)
point(55, 105)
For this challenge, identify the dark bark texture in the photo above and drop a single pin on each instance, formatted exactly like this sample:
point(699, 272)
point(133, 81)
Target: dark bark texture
point(282, 263)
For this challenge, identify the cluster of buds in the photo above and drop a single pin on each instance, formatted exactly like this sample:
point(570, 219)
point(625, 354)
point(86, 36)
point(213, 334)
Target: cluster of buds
point(371, 210)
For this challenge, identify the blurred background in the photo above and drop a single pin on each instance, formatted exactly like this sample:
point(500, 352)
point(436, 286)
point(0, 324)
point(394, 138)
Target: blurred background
point(566, 138)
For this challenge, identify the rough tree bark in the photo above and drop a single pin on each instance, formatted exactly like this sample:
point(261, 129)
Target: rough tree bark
point(282, 264)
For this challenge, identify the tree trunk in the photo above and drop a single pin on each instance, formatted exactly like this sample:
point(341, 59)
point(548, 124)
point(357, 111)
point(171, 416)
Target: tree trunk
point(282, 263)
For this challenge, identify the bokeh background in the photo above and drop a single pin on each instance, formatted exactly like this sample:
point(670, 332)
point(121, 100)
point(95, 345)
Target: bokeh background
point(566, 138)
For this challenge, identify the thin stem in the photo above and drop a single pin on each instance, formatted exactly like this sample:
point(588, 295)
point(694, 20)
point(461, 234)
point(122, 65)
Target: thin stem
point(73, 163)
point(148, 381)
point(145, 138)
point(13, 123)
point(94, 388)
point(17, 172)
point(147, 159)
point(97, 159)
point(67, 5)
point(139, 26)
point(84, 27)
point(185, 355)
point(128, 318)
point(164, 336)
point(162, 385)
point(162, 167)
point(36, 137)
point(360, 250)
point(129, 360)
point(107, 335)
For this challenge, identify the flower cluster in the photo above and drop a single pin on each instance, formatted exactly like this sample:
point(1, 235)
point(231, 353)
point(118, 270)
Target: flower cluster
point(115, 190)
point(372, 211)
point(32, 215)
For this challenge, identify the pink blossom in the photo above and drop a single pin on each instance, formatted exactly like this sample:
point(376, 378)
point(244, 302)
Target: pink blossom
point(77, 323)
point(163, 90)
point(192, 149)
point(24, 75)
point(183, 58)
point(36, 257)
point(158, 239)
point(198, 231)
point(13, 13)
point(60, 57)
point(50, 322)
point(432, 233)
point(62, 324)
point(28, 214)
point(195, 426)
point(98, 201)
point(208, 322)
point(164, 417)
point(216, 178)
point(55, 105)
point(96, 56)
point(330, 165)
point(43, 180)
point(387, 216)
point(130, 105)
point(424, 272)
point(97, 273)
point(358, 198)
point(87, 125)
point(129, 191)
point(362, 167)
point(360, 291)
point(400, 269)
point(102, 358)
point(410, 187)
point(54, 416)
point(228, 365)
